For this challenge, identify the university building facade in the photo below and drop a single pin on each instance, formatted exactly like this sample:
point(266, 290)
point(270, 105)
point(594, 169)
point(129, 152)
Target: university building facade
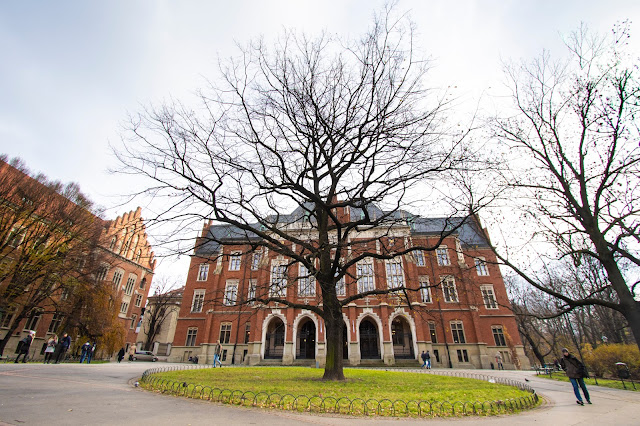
point(455, 306)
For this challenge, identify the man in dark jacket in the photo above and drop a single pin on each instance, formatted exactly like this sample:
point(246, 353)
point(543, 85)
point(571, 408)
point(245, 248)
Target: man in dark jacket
point(62, 348)
point(575, 372)
point(25, 344)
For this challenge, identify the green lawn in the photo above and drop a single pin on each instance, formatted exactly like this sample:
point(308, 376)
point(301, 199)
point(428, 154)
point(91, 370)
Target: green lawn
point(616, 384)
point(361, 384)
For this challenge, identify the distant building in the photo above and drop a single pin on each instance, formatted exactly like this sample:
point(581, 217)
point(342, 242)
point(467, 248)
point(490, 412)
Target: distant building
point(460, 311)
point(33, 218)
point(160, 320)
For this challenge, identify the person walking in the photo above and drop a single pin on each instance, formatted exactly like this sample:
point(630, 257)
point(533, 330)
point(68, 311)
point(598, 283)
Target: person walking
point(499, 361)
point(50, 349)
point(62, 348)
point(576, 372)
point(132, 352)
point(24, 345)
point(91, 352)
point(216, 354)
point(423, 355)
point(428, 361)
point(85, 349)
point(120, 355)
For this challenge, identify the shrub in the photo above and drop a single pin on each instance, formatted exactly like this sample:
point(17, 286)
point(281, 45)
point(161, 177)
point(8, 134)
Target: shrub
point(602, 360)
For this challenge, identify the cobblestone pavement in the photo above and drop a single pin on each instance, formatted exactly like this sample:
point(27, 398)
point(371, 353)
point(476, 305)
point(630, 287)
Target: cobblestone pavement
point(103, 394)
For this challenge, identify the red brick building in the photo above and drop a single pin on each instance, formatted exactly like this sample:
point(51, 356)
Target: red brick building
point(457, 305)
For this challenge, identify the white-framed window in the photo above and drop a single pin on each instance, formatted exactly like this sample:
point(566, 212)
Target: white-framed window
point(131, 282)
point(203, 272)
point(192, 333)
point(364, 273)
point(341, 289)
point(256, 257)
point(55, 322)
point(225, 333)
point(133, 321)
point(442, 254)
point(124, 307)
point(432, 332)
point(66, 292)
point(488, 296)
point(395, 276)
point(449, 290)
point(278, 286)
point(117, 278)
point(457, 332)
point(234, 261)
point(481, 267)
point(231, 293)
point(112, 244)
point(8, 316)
point(498, 335)
point(252, 290)
point(138, 255)
point(306, 282)
point(138, 300)
point(198, 300)
point(463, 355)
point(425, 290)
point(419, 256)
point(103, 270)
point(32, 322)
point(16, 237)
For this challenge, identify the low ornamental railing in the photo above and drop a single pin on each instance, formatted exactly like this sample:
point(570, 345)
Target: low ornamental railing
point(344, 405)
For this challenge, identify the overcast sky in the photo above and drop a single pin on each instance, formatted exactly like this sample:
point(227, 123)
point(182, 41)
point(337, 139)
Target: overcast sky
point(70, 71)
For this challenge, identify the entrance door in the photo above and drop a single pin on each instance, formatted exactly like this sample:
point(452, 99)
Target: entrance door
point(306, 345)
point(274, 341)
point(402, 340)
point(369, 347)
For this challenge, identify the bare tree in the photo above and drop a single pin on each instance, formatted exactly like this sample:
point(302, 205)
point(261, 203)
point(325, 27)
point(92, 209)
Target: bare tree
point(572, 143)
point(314, 126)
point(159, 309)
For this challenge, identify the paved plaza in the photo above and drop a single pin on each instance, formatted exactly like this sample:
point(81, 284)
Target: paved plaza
point(103, 394)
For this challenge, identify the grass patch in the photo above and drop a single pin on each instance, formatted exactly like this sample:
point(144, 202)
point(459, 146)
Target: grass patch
point(302, 389)
point(607, 383)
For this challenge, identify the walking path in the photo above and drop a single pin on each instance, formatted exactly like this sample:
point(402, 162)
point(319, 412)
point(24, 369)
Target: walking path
point(103, 394)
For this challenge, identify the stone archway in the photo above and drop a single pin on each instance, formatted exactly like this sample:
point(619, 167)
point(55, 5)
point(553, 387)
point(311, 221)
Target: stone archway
point(369, 343)
point(274, 339)
point(306, 340)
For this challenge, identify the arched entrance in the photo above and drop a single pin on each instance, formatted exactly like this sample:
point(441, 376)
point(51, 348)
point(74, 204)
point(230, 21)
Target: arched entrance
point(274, 340)
point(306, 341)
point(401, 338)
point(369, 347)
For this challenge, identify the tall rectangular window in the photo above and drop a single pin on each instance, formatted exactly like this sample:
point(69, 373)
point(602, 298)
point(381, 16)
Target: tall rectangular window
point(449, 290)
point(55, 322)
point(102, 272)
point(138, 300)
point(117, 278)
point(463, 355)
point(198, 300)
point(481, 267)
point(32, 322)
point(419, 256)
point(425, 290)
point(341, 289)
point(203, 272)
point(134, 317)
point(395, 276)
point(306, 282)
point(247, 332)
point(278, 287)
point(124, 307)
point(131, 281)
point(231, 293)
point(192, 333)
point(364, 272)
point(234, 261)
point(498, 335)
point(256, 257)
point(432, 332)
point(442, 254)
point(457, 332)
point(225, 332)
point(251, 294)
point(488, 297)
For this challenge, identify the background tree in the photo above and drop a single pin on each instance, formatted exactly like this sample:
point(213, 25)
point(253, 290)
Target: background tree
point(313, 126)
point(48, 234)
point(158, 311)
point(571, 140)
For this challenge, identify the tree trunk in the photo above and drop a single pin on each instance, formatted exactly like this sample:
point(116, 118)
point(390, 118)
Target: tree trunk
point(534, 346)
point(334, 325)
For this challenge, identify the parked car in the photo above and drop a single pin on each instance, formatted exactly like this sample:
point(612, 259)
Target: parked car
point(145, 356)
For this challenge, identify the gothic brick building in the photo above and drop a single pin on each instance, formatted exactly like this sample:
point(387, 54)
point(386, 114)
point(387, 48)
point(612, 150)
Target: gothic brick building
point(456, 305)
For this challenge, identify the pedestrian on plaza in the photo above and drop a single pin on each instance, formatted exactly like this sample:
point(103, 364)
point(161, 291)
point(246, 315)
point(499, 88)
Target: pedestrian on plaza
point(576, 372)
point(85, 349)
point(132, 352)
point(24, 345)
point(91, 352)
point(62, 347)
point(499, 361)
point(120, 355)
point(428, 361)
point(217, 351)
point(423, 355)
point(50, 349)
